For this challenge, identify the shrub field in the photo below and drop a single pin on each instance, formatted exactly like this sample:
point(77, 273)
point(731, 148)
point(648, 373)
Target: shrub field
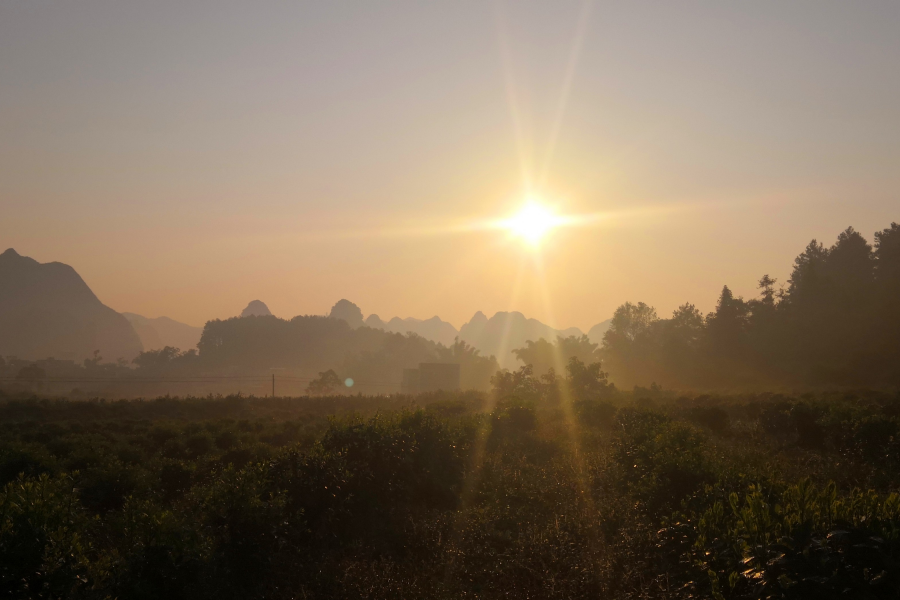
point(640, 495)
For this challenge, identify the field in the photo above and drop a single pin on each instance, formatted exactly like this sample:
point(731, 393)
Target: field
point(639, 495)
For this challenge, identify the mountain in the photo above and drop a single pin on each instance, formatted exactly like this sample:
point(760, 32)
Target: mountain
point(47, 310)
point(497, 336)
point(159, 332)
point(433, 329)
point(347, 311)
point(256, 308)
point(596, 332)
point(506, 331)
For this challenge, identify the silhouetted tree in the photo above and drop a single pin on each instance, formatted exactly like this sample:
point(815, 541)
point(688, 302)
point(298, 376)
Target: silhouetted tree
point(628, 344)
point(837, 322)
point(629, 323)
point(887, 256)
point(543, 356)
point(326, 384)
point(156, 359)
point(587, 381)
point(518, 384)
point(767, 292)
point(94, 362)
point(475, 371)
point(681, 339)
point(727, 325)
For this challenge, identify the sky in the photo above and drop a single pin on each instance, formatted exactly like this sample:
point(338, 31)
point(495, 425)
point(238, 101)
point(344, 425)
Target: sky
point(188, 157)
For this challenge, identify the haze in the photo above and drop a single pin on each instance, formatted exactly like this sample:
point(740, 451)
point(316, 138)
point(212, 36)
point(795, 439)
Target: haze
point(187, 158)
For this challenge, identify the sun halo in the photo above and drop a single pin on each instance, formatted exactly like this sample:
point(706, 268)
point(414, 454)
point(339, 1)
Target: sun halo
point(531, 223)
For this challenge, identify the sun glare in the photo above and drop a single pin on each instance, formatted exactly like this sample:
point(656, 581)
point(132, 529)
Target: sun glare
point(531, 223)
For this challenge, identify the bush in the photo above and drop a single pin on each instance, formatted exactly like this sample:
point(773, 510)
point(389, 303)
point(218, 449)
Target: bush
point(595, 413)
point(662, 461)
point(713, 418)
point(208, 498)
point(512, 418)
point(23, 460)
point(42, 554)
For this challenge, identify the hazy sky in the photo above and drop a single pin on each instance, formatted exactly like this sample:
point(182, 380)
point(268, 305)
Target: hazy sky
point(188, 157)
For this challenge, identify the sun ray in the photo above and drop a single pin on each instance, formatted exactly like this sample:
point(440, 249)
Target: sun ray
point(639, 214)
point(473, 473)
point(574, 54)
point(567, 406)
point(512, 96)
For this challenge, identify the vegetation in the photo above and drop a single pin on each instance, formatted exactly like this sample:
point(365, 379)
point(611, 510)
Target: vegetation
point(836, 322)
point(549, 487)
point(556, 483)
point(245, 351)
point(316, 344)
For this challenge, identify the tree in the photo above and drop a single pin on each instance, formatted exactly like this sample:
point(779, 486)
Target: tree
point(851, 264)
point(475, 370)
point(837, 322)
point(520, 384)
point(767, 292)
point(543, 356)
point(675, 352)
point(686, 326)
point(629, 323)
point(628, 345)
point(809, 270)
point(587, 381)
point(830, 312)
point(93, 363)
point(156, 359)
point(887, 256)
point(727, 325)
point(327, 384)
point(886, 304)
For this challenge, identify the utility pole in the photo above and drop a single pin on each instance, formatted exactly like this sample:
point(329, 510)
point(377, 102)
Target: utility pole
point(273, 385)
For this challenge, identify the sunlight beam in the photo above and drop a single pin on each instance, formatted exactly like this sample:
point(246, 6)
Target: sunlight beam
point(574, 54)
point(461, 227)
point(512, 98)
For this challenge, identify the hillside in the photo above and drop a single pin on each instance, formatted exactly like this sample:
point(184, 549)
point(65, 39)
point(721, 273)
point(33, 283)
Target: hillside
point(433, 329)
point(156, 333)
point(497, 336)
point(596, 332)
point(48, 310)
point(506, 331)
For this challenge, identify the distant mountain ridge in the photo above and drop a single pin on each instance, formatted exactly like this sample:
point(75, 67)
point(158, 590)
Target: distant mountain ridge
point(256, 308)
point(596, 333)
point(506, 331)
point(159, 332)
point(47, 310)
point(496, 336)
point(433, 329)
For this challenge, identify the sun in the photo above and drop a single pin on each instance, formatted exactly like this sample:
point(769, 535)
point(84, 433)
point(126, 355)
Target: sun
point(531, 223)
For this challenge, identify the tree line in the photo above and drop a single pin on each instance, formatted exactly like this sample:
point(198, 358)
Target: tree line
point(835, 321)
